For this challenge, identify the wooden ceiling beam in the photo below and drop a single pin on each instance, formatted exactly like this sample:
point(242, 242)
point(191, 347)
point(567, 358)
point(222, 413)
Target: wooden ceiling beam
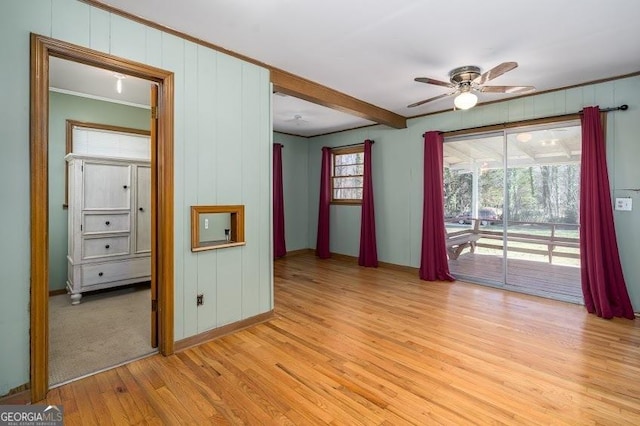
point(283, 81)
point(293, 85)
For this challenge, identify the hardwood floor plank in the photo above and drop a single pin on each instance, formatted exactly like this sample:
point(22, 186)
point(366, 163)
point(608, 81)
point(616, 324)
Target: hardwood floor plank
point(364, 346)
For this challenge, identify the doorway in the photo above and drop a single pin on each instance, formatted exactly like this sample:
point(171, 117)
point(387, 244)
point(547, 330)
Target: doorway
point(110, 324)
point(517, 191)
point(42, 48)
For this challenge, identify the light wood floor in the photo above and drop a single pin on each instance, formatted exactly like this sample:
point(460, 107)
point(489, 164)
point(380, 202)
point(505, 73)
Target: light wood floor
point(351, 345)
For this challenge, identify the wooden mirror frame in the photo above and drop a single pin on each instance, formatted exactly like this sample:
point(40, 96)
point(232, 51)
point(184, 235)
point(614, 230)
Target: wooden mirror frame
point(237, 226)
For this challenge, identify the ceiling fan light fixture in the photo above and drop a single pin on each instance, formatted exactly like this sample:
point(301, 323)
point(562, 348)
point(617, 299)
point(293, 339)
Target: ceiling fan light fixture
point(465, 100)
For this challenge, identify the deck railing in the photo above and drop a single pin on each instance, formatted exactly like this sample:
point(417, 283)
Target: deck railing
point(544, 241)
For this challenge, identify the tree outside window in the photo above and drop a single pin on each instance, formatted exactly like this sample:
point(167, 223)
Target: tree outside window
point(347, 175)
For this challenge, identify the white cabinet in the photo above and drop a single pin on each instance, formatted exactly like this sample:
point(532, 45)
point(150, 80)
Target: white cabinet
point(109, 240)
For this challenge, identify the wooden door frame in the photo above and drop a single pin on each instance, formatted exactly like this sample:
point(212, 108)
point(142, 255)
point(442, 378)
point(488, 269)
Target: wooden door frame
point(162, 169)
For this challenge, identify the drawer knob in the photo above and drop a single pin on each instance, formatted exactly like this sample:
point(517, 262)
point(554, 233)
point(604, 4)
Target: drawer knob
point(141, 209)
point(125, 186)
point(107, 223)
point(107, 246)
point(100, 274)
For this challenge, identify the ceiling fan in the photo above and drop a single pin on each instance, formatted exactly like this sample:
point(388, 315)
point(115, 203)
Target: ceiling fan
point(468, 79)
point(297, 120)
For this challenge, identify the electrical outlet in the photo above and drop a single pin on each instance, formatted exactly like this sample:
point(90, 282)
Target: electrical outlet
point(624, 204)
point(206, 224)
point(200, 300)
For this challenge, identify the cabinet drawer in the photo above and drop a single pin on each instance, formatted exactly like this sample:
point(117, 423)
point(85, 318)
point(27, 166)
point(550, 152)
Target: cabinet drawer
point(100, 273)
point(105, 246)
point(111, 222)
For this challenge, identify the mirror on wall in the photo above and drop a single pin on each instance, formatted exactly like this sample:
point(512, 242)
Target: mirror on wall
point(214, 227)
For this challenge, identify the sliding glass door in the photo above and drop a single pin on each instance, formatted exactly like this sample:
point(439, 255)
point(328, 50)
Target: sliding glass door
point(474, 194)
point(542, 205)
point(511, 209)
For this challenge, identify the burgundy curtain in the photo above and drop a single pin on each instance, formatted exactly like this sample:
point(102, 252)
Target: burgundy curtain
point(433, 263)
point(279, 245)
point(368, 251)
point(322, 240)
point(603, 286)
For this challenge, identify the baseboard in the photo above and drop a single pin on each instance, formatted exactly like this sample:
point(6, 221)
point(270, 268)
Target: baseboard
point(57, 292)
point(343, 257)
point(394, 266)
point(354, 259)
point(216, 333)
point(298, 252)
point(17, 396)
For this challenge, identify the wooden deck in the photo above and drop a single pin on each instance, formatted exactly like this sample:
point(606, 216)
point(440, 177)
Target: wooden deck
point(527, 276)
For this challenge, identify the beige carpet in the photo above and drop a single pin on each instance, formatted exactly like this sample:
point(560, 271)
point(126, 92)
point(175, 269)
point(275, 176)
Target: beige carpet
point(104, 330)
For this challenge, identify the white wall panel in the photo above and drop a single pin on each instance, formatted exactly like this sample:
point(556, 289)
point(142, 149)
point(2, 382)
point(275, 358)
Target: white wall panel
point(207, 286)
point(573, 99)
point(153, 47)
point(517, 110)
point(229, 285)
point(128, 39)
point(228, 127)
point(187, 117)
point(206, 172)
point(295, 165)
point(623, 129)
point(250, 188)
point(543, 105)
point(65, 11)
point(17, 20)
point(265, 155)
point(99, 24)
point(391, 202)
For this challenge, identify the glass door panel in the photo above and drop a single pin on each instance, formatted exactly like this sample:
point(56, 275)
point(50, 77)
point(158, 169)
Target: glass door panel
point(473, 192)
point(541, 210)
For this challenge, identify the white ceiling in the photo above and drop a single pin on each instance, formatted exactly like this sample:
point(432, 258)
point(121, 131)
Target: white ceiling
point(72, 77)
point(373, 49)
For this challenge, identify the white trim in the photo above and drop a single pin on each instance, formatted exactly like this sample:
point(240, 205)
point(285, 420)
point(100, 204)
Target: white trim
point(98, 98)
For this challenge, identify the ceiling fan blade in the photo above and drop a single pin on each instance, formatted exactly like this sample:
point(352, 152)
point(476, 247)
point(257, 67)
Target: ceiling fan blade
point(430, 100)
point(520, 90)
point(494, 72)
point(432, 81)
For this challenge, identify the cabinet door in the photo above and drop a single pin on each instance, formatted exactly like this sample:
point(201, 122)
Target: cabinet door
point(107, 186)
point(143, 210)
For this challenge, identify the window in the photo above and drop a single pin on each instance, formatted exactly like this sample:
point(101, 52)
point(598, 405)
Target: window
point(347, 175)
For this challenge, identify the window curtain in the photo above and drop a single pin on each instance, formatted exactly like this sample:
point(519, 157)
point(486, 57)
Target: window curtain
point(279, 245)
point(603, 285)
point(368, 250)
point(322, 239)
point(433, 260)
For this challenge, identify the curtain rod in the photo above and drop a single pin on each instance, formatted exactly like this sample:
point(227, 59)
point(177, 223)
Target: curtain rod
point(623, 107)
point(353, 144)
point(619, 108)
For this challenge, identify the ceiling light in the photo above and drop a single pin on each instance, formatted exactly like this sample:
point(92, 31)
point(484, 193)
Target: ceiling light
point(119, 78)
point(465, 100)
point(524, 137)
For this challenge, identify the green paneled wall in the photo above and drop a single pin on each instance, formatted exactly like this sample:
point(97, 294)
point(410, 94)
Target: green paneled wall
point(398, 171)
point(295, 189)
point(63, 107)
point(222, 156)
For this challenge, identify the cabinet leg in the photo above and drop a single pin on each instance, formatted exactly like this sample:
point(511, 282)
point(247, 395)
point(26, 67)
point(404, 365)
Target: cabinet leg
point(75, 298)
